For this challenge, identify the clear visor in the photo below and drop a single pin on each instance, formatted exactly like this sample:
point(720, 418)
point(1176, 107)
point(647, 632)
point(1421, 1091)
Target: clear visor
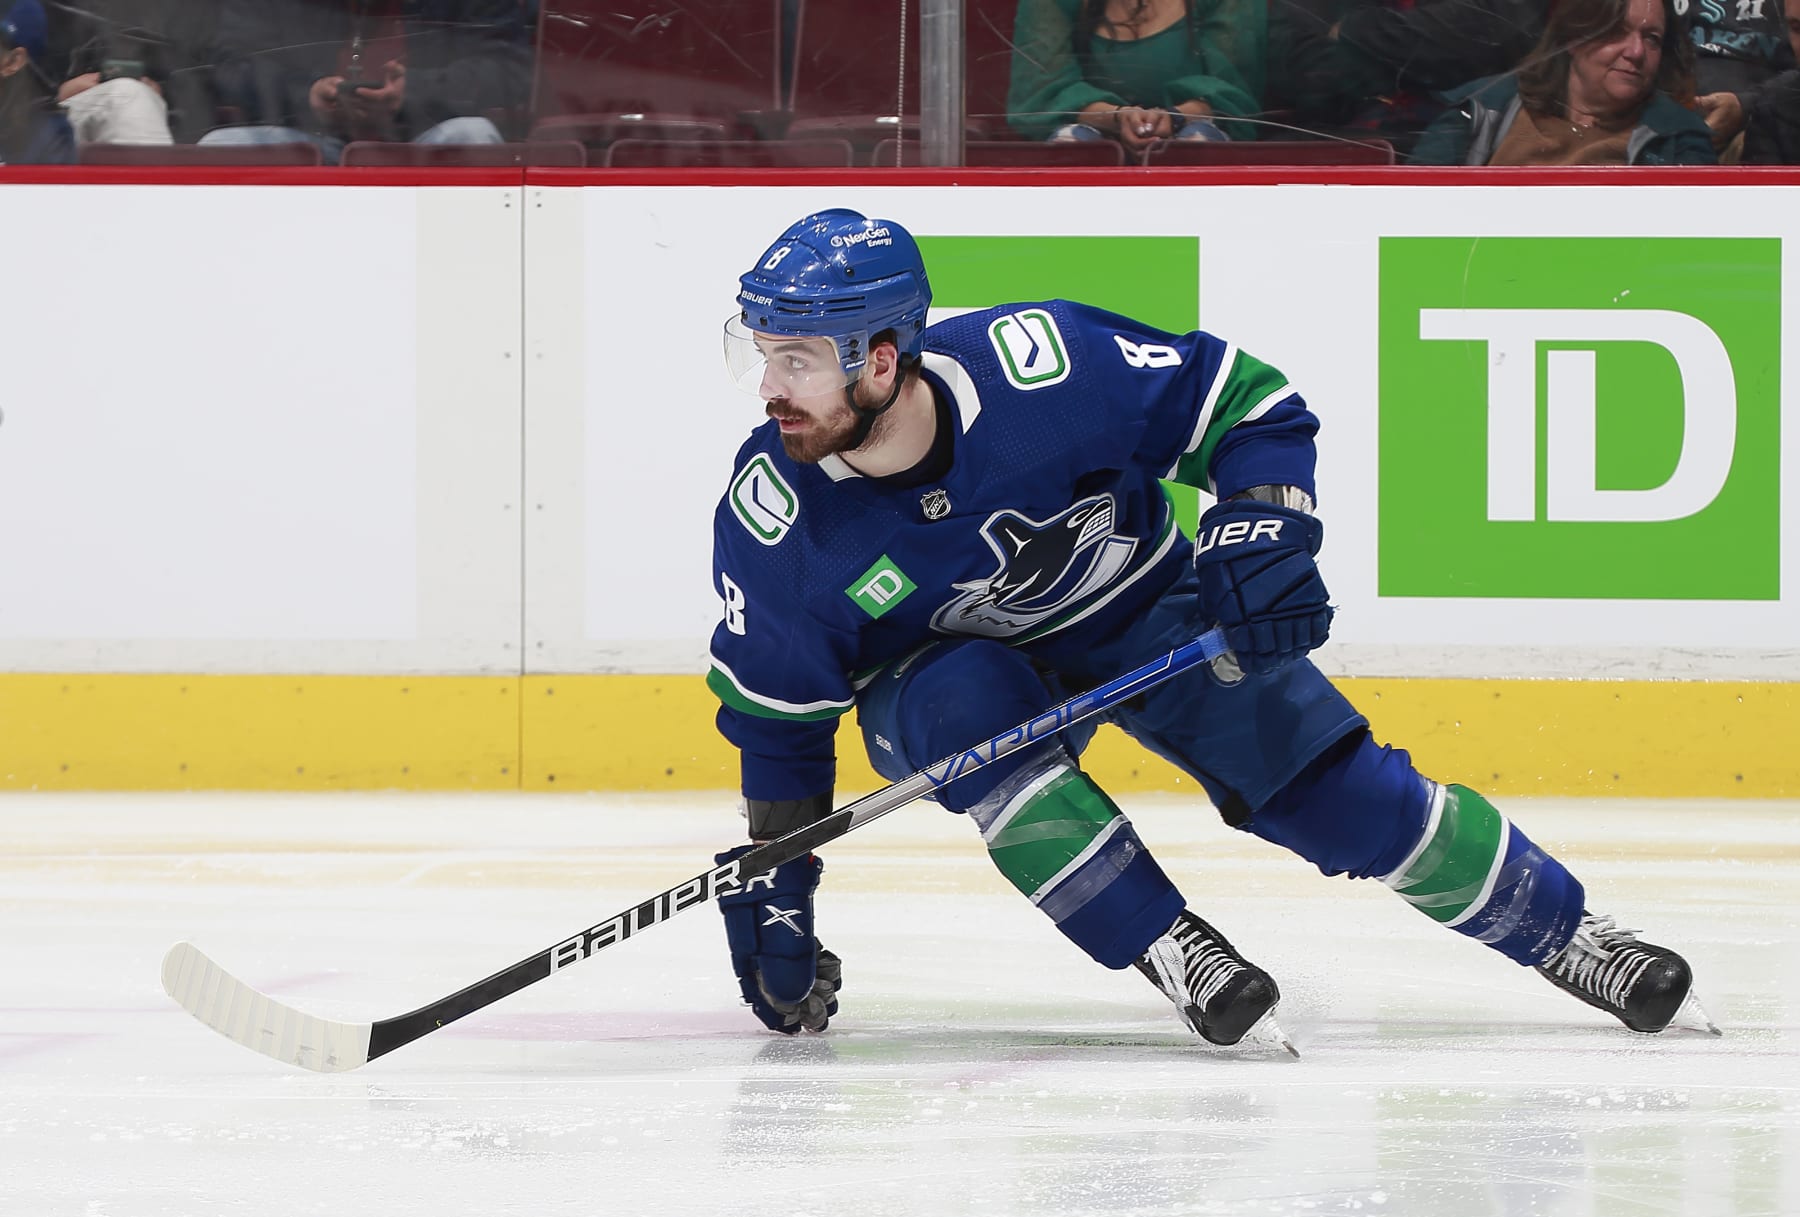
point(771, 366)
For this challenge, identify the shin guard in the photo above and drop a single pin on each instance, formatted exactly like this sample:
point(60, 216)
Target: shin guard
point(1475, 872)
point(1061, 841)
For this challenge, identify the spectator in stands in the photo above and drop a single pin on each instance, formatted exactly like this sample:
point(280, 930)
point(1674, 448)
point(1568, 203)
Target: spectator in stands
point(1379, 68)
point(169, 45)
point(1738, 45)
point(32, 130)
point(1749, 94)
point(331, 71)
point(1136, 71)
point(1604, 86)
point(115, 73)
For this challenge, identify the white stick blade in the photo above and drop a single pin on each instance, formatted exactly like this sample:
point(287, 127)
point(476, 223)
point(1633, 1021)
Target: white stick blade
point(260, 1023)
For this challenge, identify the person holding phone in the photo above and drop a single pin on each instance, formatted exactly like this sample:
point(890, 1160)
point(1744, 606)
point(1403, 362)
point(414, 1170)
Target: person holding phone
point(423, 71)
point(115, 82)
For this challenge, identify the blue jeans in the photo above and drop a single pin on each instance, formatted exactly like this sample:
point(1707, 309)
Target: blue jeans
point(451, 131)
point(1190, 129)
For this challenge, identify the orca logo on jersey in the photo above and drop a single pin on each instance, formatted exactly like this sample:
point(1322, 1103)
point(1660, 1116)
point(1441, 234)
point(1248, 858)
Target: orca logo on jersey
point(1045, 568)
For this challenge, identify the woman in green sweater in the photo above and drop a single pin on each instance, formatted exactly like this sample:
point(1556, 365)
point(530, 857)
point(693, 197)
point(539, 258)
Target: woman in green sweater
point(1136, 70)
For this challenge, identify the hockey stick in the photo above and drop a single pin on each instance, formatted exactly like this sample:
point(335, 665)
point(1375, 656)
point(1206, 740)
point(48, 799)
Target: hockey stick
point(257, 1021)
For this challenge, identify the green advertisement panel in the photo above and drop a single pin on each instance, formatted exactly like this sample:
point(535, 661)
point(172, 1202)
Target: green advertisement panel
point(1153, 279)
point(1580, 418)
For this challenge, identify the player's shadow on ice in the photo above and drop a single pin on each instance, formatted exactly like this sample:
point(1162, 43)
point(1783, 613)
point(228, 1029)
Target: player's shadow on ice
point(875, 1044)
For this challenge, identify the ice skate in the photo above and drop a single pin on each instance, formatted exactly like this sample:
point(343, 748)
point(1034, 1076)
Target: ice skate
point(1644, 986)
point(1218, 993)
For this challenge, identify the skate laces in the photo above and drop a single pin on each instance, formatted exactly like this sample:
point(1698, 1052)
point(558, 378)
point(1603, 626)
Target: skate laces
point(1604, 959)
point(1208, 965)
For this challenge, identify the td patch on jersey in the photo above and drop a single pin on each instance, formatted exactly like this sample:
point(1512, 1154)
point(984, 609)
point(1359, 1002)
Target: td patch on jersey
point(1031, 349)
point(763, 501)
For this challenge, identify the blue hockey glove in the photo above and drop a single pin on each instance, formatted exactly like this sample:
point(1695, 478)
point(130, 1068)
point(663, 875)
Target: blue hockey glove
point(789, 980)
point(1258, 580)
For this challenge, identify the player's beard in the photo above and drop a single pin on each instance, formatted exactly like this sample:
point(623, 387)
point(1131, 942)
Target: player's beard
point(827, 435)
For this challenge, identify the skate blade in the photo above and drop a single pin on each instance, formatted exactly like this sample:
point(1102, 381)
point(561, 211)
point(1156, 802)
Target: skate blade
point(1267, 1033)
point(1693, 1017)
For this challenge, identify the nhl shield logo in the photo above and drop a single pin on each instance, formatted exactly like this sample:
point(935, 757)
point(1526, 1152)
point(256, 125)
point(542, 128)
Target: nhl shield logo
point(935, 504)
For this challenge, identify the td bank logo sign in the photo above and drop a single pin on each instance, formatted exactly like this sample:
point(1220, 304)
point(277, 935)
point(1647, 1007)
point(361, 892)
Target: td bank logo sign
point(1580, 418)
point(1571, 339)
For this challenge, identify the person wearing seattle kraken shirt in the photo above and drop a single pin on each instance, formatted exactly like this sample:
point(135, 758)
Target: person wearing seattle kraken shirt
point(952, 528)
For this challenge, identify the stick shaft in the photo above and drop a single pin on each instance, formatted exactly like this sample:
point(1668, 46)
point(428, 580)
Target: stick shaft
point(392, 1033)
point(259, 1022)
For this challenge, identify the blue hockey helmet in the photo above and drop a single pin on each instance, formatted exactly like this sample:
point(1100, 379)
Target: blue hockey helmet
point(835, 274)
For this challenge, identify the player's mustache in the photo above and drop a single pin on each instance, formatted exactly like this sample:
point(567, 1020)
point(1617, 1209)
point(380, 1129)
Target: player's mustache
point(780, 409)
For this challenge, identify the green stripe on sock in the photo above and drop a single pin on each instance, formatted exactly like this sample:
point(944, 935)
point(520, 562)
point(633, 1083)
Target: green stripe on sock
point(1051, 830)
point(1450, 874)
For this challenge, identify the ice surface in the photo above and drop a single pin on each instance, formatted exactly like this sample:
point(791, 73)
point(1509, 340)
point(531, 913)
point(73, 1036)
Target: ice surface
point(980, 1064)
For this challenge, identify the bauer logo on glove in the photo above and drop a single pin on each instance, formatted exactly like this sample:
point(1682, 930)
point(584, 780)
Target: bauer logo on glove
point(787, 917)
point(1236, 532)
point(1258, 581)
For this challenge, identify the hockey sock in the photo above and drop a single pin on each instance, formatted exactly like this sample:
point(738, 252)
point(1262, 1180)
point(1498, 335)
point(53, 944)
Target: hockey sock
point(1475, 872)
point(1060, 840)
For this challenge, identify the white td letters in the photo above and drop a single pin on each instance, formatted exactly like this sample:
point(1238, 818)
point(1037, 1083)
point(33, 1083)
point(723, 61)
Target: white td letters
point(1709, 409)
point(883, 587)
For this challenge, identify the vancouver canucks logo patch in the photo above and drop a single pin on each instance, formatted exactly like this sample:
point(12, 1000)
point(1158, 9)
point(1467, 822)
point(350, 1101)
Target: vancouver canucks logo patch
point(1045, 568)
point(763, 501)
point(1031, 349)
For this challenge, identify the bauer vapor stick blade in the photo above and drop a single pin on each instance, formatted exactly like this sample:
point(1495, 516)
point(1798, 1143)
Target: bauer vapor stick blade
point(257, 1021)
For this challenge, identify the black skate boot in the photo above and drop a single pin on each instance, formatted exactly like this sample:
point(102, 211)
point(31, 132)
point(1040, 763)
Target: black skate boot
point(1642, 985)
point(1218, 993)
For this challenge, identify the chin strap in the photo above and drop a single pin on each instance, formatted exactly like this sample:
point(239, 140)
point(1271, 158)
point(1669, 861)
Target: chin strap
point(866, 415)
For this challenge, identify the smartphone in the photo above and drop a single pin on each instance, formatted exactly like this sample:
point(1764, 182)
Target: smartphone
point(116, 69)
point(350, 86)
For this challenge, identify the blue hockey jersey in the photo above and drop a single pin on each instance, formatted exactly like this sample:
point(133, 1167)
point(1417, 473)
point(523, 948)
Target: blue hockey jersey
point(1049, 529)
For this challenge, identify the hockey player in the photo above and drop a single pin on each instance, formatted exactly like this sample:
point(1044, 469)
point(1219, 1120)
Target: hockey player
point(952, 529)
